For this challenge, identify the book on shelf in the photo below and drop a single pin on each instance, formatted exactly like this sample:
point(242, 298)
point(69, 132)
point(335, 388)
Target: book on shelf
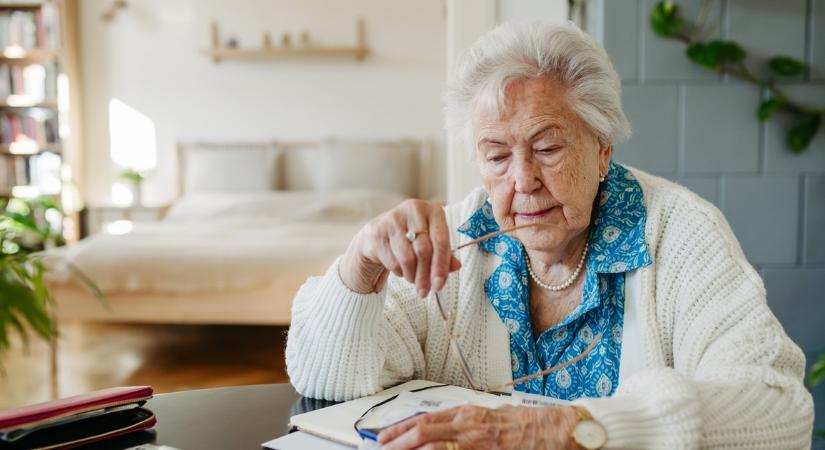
point(40, 171)
point(37, 126)
point(31, 83)
point(7, 175)
point(30, 29)
point(13, 171)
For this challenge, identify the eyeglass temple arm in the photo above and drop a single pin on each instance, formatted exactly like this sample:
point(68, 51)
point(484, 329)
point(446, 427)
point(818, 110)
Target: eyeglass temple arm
point(555, 368)
point(462, 362)
point(494, 234)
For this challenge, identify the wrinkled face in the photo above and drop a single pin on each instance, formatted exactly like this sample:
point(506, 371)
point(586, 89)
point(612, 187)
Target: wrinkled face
point(539, 163)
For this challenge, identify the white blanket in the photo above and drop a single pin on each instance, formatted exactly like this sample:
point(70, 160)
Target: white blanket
point(226, 241)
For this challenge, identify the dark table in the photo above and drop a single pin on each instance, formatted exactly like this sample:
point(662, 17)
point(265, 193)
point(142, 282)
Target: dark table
point(227, 418)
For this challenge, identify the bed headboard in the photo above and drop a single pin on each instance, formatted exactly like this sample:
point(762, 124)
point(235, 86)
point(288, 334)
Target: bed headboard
point(404, 165)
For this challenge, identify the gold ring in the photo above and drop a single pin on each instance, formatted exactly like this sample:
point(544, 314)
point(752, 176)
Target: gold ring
point(453, 445)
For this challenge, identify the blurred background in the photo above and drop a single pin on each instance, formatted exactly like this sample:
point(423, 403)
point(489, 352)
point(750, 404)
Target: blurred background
point(172, 170)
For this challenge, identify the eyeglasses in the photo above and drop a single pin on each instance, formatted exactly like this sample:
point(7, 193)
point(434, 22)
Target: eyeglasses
point(459, 355)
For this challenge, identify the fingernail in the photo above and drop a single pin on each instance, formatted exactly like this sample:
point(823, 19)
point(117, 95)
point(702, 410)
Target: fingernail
point(438, 283)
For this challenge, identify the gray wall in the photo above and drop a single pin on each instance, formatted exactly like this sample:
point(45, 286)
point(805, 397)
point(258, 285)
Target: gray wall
point(694, 127)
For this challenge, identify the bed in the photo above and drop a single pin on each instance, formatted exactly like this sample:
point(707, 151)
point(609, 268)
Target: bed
point(252, 221)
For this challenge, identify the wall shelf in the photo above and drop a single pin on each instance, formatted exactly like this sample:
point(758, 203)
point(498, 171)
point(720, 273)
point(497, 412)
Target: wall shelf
point(45, 104)
point(218, 53)
point(15, 55)
point(20, 5)
point(7, 149)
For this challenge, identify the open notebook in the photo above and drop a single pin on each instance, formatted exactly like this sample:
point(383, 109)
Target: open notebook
point(336, 422)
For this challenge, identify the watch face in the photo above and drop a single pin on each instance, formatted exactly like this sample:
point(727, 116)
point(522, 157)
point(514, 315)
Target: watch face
point(590, 434)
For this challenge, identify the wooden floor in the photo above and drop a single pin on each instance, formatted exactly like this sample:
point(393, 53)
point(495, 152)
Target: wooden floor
point(166, 357)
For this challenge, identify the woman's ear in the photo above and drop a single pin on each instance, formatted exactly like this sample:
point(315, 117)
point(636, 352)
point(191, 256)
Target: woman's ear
point(605, 153)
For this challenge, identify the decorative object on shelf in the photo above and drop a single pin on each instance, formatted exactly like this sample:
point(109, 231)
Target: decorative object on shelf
point(728, 58)
point(232, 42)
point(114, 8)
point(267, 40)
point(307, 48)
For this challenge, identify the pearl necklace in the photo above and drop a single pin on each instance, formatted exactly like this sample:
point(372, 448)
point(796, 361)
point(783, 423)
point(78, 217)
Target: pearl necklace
point(566, 283)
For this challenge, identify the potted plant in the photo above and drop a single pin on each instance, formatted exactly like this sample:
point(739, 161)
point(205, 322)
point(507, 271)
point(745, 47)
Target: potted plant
point(27, 227)
point(135, 179)
point(816, 377)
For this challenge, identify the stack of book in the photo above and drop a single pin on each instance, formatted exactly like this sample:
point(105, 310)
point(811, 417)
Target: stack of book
point(40, 171)
point(33, 82)
point(12, 171)
point(41, 129)
point(35, 29)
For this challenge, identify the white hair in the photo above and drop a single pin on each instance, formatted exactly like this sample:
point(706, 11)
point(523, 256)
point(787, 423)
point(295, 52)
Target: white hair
point(516, 51)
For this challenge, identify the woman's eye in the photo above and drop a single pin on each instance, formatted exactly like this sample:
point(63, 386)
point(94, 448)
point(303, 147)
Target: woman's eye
point(497, 158)
point(548, 149)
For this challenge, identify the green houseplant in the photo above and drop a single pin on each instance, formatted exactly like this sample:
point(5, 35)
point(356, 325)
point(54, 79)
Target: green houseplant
point(816, 377)
point(27, 227)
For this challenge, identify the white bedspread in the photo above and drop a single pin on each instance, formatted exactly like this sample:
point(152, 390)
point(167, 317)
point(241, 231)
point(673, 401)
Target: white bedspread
point(226, 241)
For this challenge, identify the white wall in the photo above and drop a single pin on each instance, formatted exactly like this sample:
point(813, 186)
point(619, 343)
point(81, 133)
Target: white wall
point(528, 10)
point(148, 58)
point(467, 20)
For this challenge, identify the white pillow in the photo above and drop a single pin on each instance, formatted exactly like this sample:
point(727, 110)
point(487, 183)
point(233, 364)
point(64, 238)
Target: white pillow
point(332, 166)
point(230, 168)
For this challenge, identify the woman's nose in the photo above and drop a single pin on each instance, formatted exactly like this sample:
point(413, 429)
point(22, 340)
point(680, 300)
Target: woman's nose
point(526, 175)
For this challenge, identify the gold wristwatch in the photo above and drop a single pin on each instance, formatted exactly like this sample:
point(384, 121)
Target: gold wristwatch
point(588, 433)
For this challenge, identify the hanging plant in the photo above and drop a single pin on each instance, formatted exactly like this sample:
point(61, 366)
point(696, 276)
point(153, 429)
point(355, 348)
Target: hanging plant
point(728, 58)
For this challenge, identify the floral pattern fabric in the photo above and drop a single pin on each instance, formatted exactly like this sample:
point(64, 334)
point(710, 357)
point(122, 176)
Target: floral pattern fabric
point(616, 246)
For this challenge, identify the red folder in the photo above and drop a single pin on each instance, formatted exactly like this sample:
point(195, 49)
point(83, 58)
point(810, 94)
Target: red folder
point(77, 420)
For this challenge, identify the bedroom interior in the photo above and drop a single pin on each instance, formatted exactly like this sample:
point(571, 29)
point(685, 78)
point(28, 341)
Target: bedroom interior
point(201, 215)
point(185, 165)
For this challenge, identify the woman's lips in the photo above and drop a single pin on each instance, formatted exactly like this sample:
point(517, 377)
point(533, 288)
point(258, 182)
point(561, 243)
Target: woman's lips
point(534, 215)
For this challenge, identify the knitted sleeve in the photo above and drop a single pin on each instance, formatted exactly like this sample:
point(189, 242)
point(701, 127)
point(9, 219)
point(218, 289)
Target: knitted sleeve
point(344, 345)
point(733, 378)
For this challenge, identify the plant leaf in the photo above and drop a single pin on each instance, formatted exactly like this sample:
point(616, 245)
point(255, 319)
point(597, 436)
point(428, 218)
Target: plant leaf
point(786, 66)
point(767, 108)
point(665, 19)
point(715, 53)
point(26, 221)
point(817, 373)
point(90, 285)
point(729, 51)
point(800, 136)
point(702, 54)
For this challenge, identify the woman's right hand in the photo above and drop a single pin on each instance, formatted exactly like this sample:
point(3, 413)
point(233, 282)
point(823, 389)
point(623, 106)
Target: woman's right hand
point(381, 247)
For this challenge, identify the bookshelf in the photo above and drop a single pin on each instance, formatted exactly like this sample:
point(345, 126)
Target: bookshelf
point(37, 52)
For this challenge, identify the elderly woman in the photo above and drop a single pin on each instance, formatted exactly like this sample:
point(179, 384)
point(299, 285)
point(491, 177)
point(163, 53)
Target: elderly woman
point(687, 353)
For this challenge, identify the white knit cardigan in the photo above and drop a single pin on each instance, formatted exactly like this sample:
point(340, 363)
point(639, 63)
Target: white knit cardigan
point(704, 362)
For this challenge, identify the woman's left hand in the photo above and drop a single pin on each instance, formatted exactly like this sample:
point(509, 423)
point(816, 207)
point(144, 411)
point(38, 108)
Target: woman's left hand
point(475, 427)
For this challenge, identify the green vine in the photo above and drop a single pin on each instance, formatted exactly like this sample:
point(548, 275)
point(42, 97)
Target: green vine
point(728, 58)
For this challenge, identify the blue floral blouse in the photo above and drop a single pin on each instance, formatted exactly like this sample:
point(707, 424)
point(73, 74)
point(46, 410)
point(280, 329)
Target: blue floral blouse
point(616, 246)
